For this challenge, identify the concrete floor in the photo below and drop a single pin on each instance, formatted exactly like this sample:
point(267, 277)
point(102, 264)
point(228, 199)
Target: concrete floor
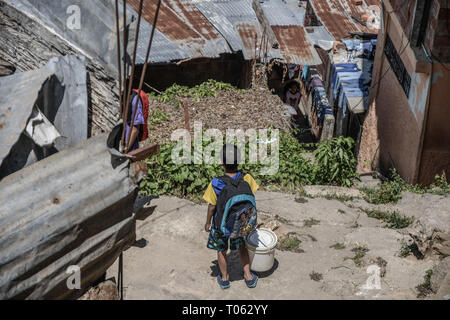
point(171, 261)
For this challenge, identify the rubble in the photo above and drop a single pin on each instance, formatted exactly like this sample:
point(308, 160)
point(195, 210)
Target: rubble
point(104, 291)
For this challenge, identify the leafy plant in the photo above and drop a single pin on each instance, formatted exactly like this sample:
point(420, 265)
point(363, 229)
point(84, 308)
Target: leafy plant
point(360, 252)
point(159, 117)
point(405, 250)
point(338, 246)
point(335, 162)
point(425, 288)
point(391, 191)
point(209, 88)
point(290, 244)
point(393, 220)
point(295, 170)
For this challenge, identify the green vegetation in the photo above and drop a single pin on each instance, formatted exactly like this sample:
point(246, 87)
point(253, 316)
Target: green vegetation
point(391, 190)
point(425, 288)
point(405, 250)
point(158, 117)
point(338, 246)
point(290, 243)
point(393, 220)
point(189, 180)
point(209, 88)
point(336, 162)
point(341, 198)
point(360, 252)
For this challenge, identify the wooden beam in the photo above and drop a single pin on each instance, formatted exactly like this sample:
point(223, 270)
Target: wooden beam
point(273, 41)
point(144, 153)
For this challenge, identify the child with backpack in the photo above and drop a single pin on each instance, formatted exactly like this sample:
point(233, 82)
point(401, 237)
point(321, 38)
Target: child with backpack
point(231, 215)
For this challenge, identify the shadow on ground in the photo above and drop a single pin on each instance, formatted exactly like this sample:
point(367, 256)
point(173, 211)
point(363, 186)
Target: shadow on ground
point(235, 268)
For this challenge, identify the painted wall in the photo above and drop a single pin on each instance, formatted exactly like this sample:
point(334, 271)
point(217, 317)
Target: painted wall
point(399, 117)
point(413, 130)
point(436, 146)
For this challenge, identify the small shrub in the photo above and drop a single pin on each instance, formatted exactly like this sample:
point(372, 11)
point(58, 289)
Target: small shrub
point(360, 252)
point(391, 191)
point(335, 162)
point(290, 243)
point(338, 246)
point(405, 250)
point(425, 288)
point(393, 220)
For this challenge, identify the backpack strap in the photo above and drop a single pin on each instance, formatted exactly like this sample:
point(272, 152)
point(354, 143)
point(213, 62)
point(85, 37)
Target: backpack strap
point(235, 182)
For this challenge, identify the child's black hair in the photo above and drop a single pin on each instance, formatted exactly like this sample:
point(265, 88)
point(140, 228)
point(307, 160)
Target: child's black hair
point(230, 158)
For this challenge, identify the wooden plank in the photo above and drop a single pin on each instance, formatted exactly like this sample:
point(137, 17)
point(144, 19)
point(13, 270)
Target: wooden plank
point(144, 153)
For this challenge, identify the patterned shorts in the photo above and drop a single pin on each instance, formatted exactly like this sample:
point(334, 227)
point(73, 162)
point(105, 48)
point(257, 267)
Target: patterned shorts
point(219, 242)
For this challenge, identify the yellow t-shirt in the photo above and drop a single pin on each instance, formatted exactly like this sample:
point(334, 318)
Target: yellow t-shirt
point(210, 195)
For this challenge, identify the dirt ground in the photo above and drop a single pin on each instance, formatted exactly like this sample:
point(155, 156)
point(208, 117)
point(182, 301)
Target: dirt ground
point(170, 259)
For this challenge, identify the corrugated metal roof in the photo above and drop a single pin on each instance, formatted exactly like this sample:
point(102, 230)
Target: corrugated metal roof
point(335, 15)
point(74, 208)
point(218, 15)
point(250, 34)
point(163, 49)
point(297, 9)
point(182, 23)
point(316, 34)
point(295, 46)
point(278, 14)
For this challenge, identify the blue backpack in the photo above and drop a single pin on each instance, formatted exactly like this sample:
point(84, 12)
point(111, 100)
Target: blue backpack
point(236, 214)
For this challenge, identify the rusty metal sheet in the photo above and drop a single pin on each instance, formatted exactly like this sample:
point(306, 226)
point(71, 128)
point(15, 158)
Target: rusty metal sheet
point(73, 208)
point(250, 34)
point(295, 46)
point(181, 22)
point(336, 16)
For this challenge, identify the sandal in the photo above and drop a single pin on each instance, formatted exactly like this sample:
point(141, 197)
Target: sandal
point(223, 284)
point(252, 283)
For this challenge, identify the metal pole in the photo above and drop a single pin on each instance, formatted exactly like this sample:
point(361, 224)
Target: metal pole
point(130, 84)
point(144, 70)
point(125, 45)
point(119, 64)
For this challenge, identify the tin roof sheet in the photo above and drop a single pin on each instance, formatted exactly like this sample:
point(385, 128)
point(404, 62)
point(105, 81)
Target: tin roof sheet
point(295, 46)
point(182, 23)
point(336, 16)
point(279, 14)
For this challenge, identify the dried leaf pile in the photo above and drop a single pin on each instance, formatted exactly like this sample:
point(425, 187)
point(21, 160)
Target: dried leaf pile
point(256, 108)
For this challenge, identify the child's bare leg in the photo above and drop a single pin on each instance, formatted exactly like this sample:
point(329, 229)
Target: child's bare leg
point(245, 260)
point(222, 259)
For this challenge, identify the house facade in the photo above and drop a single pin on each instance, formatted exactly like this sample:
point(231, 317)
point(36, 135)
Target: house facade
point(407, 127)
